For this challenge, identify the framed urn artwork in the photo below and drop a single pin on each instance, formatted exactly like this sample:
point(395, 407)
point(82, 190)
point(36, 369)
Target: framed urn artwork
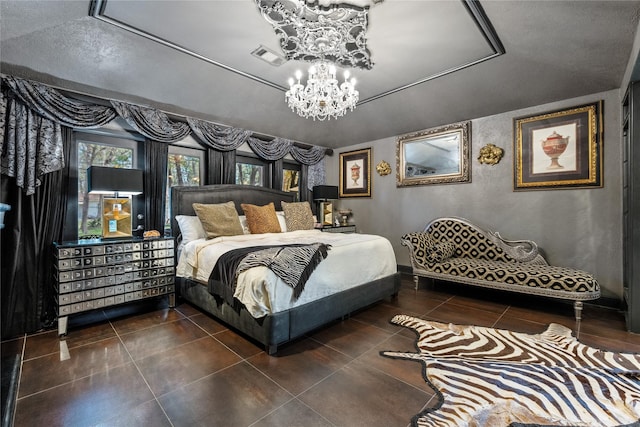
point(559, 149)
point(355, 173)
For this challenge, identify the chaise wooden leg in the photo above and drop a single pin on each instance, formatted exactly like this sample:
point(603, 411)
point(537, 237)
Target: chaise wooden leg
point(416, 280)
point(577, 307)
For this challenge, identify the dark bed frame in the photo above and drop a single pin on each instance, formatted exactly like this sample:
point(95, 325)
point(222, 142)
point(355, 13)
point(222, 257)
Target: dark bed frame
point(279, 328)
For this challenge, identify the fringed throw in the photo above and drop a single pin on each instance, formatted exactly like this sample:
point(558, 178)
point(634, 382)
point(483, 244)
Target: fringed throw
point(294, 264)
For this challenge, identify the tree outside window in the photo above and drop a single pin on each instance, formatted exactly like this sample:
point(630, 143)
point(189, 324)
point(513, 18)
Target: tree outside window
point(183, 170)
point(93, 154)
point(249, 174)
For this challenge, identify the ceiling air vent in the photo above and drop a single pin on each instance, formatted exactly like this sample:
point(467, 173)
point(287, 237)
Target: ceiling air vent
point(269, 56)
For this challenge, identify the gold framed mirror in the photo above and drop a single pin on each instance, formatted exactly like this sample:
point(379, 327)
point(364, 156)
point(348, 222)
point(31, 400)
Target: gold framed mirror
point(434, 156)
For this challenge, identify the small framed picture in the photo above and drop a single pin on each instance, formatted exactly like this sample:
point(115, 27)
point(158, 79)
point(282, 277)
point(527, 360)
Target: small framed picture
point(355, 173)
point(559, 150)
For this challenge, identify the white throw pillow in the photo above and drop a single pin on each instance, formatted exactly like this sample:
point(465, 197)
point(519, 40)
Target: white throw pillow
point(281, 221)
point(243, 223)
point(190, 228)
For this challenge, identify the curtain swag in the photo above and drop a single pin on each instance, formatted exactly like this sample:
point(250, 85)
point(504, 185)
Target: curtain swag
point(307, 156)
point(218, 137)
point(270, 150)
point(152, 123)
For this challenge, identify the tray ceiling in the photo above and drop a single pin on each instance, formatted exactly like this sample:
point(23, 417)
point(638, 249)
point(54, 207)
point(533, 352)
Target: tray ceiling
point(434, 62)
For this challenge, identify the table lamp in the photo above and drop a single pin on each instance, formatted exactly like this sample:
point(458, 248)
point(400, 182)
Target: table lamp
point(322, 194)
point(116, 211)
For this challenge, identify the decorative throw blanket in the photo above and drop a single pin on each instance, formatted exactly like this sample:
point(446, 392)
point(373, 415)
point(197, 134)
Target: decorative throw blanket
point(491, 377)
point(291, 263)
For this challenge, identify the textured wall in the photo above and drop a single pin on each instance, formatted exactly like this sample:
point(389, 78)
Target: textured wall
point(580, 228)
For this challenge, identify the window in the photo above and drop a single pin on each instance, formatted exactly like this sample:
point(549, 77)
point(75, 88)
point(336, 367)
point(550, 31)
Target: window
point(97, 150)
point(185, 167)
point(252, 171)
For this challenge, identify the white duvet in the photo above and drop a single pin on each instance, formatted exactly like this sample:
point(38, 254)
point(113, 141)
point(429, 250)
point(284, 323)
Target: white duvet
point(353, 259)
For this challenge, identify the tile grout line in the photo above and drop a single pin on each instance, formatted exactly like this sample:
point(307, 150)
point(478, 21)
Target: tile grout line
point(140, 371)
point(17, 391)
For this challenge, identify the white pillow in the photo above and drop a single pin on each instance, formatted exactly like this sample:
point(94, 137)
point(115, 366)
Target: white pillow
point(281, 221)
point(243, 223)
point(190, 228)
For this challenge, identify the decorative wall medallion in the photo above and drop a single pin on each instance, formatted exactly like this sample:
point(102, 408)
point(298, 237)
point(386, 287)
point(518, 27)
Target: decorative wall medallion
point(309, 33)
point(490, 155)
point(383, 168)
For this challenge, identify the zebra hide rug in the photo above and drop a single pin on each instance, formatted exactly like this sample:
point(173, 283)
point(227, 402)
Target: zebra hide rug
point(489, 377)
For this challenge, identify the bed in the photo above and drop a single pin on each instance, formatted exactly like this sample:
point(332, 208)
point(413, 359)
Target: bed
point(272, 327)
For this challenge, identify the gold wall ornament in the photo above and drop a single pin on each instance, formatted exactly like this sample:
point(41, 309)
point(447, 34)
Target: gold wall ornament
point(383, 168)
point(490, 154)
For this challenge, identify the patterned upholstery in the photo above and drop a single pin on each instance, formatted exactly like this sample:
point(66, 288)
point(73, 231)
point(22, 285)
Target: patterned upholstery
point(455, 250)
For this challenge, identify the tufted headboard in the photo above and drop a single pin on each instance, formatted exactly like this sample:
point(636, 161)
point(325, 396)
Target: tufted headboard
point(182, 198)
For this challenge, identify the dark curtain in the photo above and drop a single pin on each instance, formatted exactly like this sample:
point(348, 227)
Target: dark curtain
point(156, 155)
point(229, 167)
point(303, 182)
point(221, 166)
point(214, 166)
point(32, 224)
point(278, 174)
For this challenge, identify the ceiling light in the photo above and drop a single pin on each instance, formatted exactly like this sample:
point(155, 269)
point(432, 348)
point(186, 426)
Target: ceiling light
point(323, 96)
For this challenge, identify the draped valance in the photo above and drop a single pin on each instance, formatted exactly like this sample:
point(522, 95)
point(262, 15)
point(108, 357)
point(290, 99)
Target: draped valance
point(152, 123)
point(33, 112)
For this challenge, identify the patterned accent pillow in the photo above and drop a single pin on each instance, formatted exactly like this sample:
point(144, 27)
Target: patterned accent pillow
point(441, 252)
point(219, 219)
point(298, 216)
point(261, 219)
point(422, 244)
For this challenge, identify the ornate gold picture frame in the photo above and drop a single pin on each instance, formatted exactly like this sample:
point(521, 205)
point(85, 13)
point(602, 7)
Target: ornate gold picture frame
point(434, 156)
point(355, 173)
point(560, 149)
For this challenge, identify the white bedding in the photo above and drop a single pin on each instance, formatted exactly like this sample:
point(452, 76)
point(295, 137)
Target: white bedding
point(353, 259)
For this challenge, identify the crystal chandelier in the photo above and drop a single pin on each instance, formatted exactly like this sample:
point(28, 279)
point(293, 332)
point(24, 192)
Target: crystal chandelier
point(323, 96)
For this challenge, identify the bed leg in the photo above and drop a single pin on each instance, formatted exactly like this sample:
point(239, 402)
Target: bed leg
point(577, 308)
point(272, 349)
point(416, 280)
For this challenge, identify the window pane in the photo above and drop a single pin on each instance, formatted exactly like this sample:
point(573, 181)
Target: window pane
point(92, 154)
point(249, 174)
point(182, 169)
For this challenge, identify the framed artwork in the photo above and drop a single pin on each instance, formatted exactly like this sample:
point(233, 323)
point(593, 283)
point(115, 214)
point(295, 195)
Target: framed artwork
point(355, 173)
point(434, 156)
point(559, 150)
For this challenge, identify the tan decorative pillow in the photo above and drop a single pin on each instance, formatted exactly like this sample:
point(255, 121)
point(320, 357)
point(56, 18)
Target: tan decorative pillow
point(298, 216)
point(219, 219)
point(261, 219)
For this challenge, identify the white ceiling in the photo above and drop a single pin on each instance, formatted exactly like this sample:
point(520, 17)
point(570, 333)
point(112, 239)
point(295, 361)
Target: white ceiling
point(193, 58)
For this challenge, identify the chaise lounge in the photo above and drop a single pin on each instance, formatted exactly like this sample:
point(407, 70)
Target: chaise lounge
point(455, 250)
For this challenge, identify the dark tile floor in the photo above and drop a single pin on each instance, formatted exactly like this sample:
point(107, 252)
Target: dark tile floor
point(180, 367)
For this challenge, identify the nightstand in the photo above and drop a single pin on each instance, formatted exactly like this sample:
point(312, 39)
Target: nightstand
point(94, 274)
point(340, 229)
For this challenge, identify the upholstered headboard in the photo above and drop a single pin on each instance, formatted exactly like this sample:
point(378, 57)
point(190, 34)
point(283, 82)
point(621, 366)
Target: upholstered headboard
point(182, 198)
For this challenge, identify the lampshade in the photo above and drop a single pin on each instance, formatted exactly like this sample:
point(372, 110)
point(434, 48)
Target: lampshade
point(105, 180)
point(325, 192)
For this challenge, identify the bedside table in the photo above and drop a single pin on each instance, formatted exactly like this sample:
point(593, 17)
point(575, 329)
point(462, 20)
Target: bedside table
point(340, 229)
